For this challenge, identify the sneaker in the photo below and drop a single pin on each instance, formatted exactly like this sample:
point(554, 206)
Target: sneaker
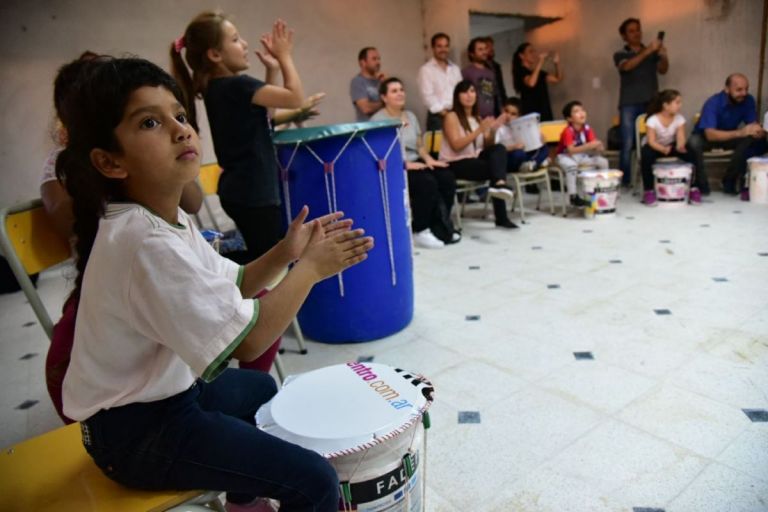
point(745, 194)
point(545, 163)
point(257, 505)
point(695, 196)
point(455, 237)
point(426, 240)
point(501, 192)
point(506, 223)
point(649, 198)
point(527, 166)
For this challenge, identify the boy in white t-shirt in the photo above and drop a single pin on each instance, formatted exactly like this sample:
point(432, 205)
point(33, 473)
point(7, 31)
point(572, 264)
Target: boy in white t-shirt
point(665, 137)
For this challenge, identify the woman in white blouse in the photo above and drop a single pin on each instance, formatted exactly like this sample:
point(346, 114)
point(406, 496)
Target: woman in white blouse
point(665, 137)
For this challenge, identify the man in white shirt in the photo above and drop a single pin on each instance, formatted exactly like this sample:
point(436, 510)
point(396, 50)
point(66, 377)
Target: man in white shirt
point(437, 78)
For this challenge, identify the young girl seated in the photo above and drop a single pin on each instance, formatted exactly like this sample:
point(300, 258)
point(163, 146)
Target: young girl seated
point(578, 148)
point(161, 313)
point(665, 137)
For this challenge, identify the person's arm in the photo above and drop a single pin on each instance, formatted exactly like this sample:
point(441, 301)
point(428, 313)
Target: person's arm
point(750, 130)
point(632, 63)
point(558, 74)
point(595, 145)
point(531, 79)
point(279, 44)
point(264, 269)
point(297, 115)
point(368, 107)
point(58, 205)
point(680, 139)
point(325, 255)
point(663, 65)
point(452, 132)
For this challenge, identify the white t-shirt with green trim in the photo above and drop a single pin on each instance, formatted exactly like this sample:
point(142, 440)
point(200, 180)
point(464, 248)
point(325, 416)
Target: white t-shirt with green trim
point(158, 309)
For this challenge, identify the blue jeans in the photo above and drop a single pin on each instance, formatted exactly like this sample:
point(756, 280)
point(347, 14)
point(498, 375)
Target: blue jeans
point(205, 438)
point(517, 157)
point(627, 115)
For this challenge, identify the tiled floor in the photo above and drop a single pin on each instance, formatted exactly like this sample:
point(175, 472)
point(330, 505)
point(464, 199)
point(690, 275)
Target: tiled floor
point(654, 421)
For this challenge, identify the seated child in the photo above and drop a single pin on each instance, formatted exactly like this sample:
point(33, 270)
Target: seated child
point(160, 313)
point(665, 137)
point(517, 157)
point(578, 148)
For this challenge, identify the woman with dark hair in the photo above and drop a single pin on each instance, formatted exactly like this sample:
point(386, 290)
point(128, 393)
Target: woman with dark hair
point(468, 147)
point(531, 81)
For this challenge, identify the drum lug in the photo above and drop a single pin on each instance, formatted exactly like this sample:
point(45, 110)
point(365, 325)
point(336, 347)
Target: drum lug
point(408, 464)
point(346, 493)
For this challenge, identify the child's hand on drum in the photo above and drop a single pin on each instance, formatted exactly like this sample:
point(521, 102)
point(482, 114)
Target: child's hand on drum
point(328, 253)
point(299, 233)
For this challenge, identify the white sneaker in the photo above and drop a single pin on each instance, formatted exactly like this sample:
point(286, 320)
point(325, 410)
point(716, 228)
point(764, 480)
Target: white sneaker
point(426, 240)
point(527, 166)
point(501, 192)
point(546, 163)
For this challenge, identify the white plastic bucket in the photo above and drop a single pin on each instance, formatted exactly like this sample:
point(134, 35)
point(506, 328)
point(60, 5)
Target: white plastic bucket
point(523, 130)
point(758, 179)
point(601, 189)
point(672, 182)
point(367, 419)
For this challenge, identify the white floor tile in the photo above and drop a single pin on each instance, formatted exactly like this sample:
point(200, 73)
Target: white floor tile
point(687, 419)
point(722, 489)
point(654, 420)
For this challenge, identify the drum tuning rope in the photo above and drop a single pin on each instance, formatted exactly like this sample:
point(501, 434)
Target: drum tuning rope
point(383, 186)
point(330, 186)
point(284, 176)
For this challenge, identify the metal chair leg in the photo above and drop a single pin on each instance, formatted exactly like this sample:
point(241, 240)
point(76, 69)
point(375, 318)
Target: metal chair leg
point(279, 368)
point(299, 336)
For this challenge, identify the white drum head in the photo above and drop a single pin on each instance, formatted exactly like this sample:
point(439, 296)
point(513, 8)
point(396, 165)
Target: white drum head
point(345, 408)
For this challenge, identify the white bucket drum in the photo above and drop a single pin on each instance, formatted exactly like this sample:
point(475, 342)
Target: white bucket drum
point(523, 130)
point(368, 419)
point(758, 179)
point(600, 187)
point(672, 182)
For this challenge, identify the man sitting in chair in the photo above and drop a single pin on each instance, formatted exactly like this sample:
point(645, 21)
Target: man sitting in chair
point(729, 121)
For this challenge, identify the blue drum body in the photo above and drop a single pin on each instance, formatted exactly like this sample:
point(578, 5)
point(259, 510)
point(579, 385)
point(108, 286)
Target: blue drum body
point(333, 168)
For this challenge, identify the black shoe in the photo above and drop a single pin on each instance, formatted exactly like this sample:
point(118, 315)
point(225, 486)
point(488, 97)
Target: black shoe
point(506, 223)
point(579, 201)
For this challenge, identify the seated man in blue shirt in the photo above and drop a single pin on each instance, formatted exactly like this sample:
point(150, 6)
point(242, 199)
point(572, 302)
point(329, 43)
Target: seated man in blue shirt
point(729, 121)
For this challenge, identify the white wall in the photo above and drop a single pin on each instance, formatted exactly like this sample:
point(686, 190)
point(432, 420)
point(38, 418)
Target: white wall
point(38, 36)
point(705, 44)
point(706, 41)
